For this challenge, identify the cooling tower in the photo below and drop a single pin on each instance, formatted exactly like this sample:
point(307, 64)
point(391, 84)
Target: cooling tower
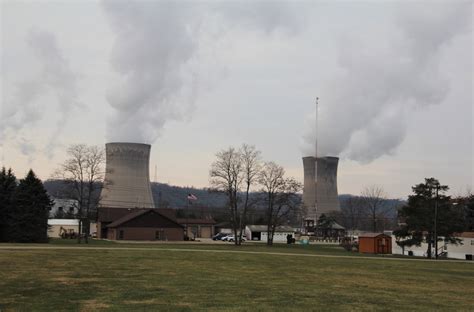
point(309, 187)
point(127, 176)
point(320, 186)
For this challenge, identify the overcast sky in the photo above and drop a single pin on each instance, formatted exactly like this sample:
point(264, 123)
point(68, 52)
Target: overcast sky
point(191, 78)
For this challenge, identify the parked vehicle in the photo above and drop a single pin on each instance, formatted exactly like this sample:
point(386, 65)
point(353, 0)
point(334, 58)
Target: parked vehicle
point(219, 236)
point(231, 238)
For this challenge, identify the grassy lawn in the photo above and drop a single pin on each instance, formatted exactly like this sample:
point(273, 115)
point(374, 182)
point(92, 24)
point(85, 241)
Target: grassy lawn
point(155, 279)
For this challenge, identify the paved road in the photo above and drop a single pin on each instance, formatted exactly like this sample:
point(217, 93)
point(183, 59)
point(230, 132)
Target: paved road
point(5, 247)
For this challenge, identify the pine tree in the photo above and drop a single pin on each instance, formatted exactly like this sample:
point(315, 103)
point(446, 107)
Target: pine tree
point(7, 189)
point(419, 216)
point(29, 218)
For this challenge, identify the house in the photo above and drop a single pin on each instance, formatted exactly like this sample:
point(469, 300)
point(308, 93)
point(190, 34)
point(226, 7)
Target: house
point(145, 224)
point(375, 243)
point(259, 233)
point(63, 207)
point(138, 224)
point(463, 251)
point(198, 228)
point(223, 227)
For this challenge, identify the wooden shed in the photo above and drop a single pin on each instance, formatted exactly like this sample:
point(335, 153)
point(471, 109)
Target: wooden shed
point(375, 243)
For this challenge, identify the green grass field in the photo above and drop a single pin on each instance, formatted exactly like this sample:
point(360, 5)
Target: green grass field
point(222, 277)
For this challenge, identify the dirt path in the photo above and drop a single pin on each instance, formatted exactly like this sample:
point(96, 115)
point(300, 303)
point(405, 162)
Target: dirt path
point(222, 251)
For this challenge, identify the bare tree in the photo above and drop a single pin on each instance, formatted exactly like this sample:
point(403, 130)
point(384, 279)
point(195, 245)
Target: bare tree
point(83, 172)
point(280, 196)
point(351, 212)
point(374, 200)
point(251, 165)
point(235, 172)
point(226, 176)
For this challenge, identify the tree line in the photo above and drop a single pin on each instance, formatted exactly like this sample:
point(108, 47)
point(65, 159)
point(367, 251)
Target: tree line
point(24, 208)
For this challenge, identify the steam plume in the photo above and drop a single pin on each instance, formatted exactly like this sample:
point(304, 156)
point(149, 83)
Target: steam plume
point(155, 53)
point(21, 110)
point(385, 77)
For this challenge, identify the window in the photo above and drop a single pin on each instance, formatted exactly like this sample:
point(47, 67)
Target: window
point(121, 234)
point(472, 241)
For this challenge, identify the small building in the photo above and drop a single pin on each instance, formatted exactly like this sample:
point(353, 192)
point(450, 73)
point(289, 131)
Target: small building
point(145, 224)
point(63, 207)
point(330, 230)
point(464, 250)
point(375, 243)
point(260, 233)
point(198, 228)
point(223, 227)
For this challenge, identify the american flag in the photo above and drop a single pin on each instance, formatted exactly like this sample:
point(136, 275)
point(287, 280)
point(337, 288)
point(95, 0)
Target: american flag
point(192, 197)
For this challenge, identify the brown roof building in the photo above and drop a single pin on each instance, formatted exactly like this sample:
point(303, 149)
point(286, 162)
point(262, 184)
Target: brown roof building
point(138, 224)
point(198, 228)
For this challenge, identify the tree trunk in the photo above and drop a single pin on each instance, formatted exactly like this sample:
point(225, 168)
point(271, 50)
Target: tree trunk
point(374, 220)
point(270, 219)
point(79, 231)
point(243, 217)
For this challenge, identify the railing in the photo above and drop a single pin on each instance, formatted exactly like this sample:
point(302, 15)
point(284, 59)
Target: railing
point(442, 252)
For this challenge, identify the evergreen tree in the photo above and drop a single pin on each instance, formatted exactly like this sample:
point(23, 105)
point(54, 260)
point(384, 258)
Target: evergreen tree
point(29, 218)
point(421, 220)
point(469, 212)
point(7, 189)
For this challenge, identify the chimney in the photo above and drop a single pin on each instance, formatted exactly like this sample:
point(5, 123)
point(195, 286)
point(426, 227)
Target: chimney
point(127, 176)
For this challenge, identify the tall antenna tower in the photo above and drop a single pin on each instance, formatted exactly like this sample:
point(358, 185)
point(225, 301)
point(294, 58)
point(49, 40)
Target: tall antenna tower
point(316, 162)
point(316, 145)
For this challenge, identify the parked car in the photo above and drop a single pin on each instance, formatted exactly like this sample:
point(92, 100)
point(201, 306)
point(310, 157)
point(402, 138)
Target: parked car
point(219, 236)
point(231, 238)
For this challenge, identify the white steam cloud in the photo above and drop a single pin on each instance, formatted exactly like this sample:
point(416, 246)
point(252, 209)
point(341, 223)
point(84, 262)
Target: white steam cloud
point(157, 54)
point(54, 78)
point(384, 77)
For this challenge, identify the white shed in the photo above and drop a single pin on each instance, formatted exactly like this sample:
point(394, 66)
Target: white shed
point(259, 233)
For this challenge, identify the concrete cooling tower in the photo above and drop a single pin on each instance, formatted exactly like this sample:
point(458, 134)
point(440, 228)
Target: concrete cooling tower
point(127, 176)
point(309, 187)
point(320, 186)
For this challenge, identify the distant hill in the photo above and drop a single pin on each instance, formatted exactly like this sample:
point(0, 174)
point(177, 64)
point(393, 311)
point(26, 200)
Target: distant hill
point(171, 196)
point(211, 203)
